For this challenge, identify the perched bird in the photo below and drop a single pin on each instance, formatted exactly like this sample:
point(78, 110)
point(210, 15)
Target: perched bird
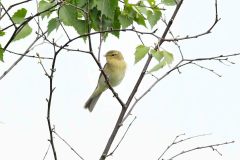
point(114, 68)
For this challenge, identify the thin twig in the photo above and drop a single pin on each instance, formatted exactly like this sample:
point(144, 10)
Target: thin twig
point(40, 61)
point(13, 23)
point(45, 155)
point(110, 154)
point(68, 145)
point(14, 5)
point(168, 147)
point(210, 70)
point(29, 56)
point(20, 58)
point(201, 147)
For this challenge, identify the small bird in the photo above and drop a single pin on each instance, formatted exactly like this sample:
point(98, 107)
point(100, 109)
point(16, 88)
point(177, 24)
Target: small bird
point(114, 69)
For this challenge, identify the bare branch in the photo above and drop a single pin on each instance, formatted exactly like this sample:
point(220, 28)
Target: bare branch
point(68, 145)
point(45, 155)
point(40, 62)
point(29, 56)
point(208, 31)
point(14, 5)
point(110, 154)
point(49, 103)
point(210, 70)
point(20, 58)
point(201, 147)
point(8, 15)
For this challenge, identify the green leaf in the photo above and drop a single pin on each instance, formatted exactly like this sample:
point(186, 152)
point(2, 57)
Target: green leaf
point(169, 2)
point(81, 27)
point(168, 57)
point(19, 15)
point(2, 33)
point(1, 53)
point(125, 21)
point(45, 5)
point(24, 32)
point(153, 17)
point(158, 66)
point(107, 7)
point(141, 8)
point(79, 3)
point(95, 19)
point(158, 55)
point(116, 23)
point(140, 19)
point(140, 52)
point(53, 24)
point(68, 15)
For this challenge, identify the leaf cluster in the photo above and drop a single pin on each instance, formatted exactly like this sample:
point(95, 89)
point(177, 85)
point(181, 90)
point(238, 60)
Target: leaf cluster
point(163, 57)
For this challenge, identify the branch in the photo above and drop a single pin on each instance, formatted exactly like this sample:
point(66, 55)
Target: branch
point(45, 155)
point(68, 145)
point(208, 31)
point(202, 147)
point(20, 27)
point(175, 142)
point(14, 5)
point(49, 101)
point(29, 56)
point(20, 58)
point(110, 154)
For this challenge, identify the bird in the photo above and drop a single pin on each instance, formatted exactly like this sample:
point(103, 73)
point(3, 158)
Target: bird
point(114, 69)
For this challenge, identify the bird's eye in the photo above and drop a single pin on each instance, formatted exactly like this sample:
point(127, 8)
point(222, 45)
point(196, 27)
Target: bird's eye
point(113, 55)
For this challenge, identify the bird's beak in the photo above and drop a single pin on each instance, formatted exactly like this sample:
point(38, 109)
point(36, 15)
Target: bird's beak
point(105, 55)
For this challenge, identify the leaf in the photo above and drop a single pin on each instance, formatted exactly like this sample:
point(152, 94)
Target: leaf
point(157, 67)
point(158, 55)
point(1, 53)
point(140, 19)
point(116, 23)
point(140, 52)
point(24, 32)
point(169, 2)
point(68, 15)
point(168, 57)
point(81, 27)
point(2, 33)
point(95, 19)
point(53, 24)
point(79, 3)
point(107, 7)
point(125, 21)
point(19, 15)
point(141, 8)
point(153, 16)
point(45, 5)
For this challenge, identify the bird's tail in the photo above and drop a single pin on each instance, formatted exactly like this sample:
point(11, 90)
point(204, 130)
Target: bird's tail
point(91, 102)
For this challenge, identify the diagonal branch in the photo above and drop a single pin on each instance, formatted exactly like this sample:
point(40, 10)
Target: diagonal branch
point(20, 58)
point(124, 109)
point(211, 146)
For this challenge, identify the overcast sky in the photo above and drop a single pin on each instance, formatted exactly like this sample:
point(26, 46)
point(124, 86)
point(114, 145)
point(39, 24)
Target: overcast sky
point(193, 102)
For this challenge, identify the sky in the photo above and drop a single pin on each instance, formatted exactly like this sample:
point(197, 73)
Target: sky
point(194, 102)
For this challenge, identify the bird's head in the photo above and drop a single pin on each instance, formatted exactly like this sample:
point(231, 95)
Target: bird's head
point(114, 55)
